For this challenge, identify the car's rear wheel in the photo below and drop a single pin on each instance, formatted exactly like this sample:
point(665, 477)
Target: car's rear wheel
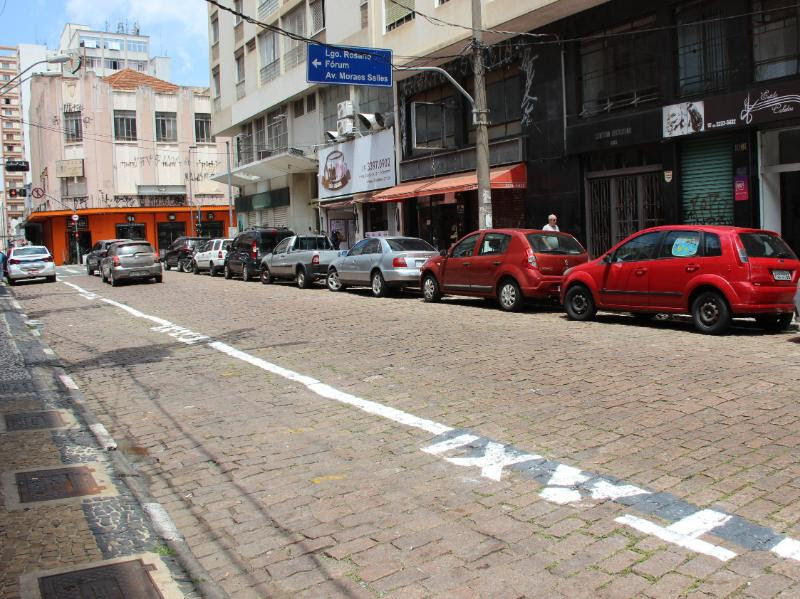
point(333, 281)
point(301, 278)
point(246, 274)
point(51, 279)
point(775, 324)
point(11, 282)
point(166, 265)
point(195, 267)
point(579, 303)
point(509, 295)
point(266, 276)
point(430, 289)
point(89, 270)
point(228, 273)
point(710, 313)
point(379, 286)
point(159, 278)
point(212, 270)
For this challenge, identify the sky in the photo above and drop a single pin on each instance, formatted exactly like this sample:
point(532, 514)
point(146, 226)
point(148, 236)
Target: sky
point(177, 28)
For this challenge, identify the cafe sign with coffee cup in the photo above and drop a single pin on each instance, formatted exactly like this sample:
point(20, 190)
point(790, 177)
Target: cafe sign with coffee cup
point(357, 166)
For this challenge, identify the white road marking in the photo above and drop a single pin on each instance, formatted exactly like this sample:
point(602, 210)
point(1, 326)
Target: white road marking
point(788, 548)
point(73, 271)
point(699, 523)
point(85, 294)
point(163, 524)
point(494, 458)
point(49, 351)
point(68, 382)
point(671, 535)
point(605, 490)
point(103, 437)
point(448, 444)
point(560, 495)
point(566, 476)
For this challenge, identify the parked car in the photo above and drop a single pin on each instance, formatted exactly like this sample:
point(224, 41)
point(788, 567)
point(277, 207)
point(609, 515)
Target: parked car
point(511, 265)
point(302, 258)
point(210, 256)
point(180, 253)
point(249, 247)
point(382, 263)
point(713, 273)
point(797, 302)
point(29, 262)
point(97, 253)
point(130, 260)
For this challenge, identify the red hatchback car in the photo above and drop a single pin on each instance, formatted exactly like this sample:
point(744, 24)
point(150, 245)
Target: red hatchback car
point(508, 264)
point(713, 273)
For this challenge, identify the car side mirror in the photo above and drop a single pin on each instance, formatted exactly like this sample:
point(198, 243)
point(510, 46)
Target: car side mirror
point(443, 253)
point(344, 252)
point(607, 259)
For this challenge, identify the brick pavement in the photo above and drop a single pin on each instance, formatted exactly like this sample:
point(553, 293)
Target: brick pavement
point(279, 491)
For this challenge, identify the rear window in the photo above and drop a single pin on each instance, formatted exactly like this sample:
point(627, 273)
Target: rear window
point(137, 248)
point(31, 250)
point(313, 243)
point(409, 245)
point(765, 245)
point(544, 243)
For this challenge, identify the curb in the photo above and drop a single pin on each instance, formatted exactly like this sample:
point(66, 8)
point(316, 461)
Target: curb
point(46, 369)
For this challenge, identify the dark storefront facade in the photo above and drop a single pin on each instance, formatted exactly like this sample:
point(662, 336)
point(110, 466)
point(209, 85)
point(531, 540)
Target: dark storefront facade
point(632, 114)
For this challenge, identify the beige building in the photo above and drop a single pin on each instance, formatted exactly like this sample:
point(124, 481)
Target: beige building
point(132, 155)
point(12, 202)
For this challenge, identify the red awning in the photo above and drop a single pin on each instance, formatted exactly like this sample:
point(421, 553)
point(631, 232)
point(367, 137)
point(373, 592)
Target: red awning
point(504, 177)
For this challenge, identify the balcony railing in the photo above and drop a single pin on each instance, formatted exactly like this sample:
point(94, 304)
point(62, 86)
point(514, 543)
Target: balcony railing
point(240, 90)
point(270, 71)
point(247, 151)
point(294, 57)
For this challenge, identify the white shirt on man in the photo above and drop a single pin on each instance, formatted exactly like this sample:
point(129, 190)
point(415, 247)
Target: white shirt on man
point(549, 227)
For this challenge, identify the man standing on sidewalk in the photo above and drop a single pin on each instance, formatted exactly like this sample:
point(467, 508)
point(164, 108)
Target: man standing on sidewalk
point(552, 223)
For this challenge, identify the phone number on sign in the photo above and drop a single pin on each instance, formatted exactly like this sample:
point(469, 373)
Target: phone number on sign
point(377, 165)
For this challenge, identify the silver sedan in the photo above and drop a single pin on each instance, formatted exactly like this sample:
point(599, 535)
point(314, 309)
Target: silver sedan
point(382, 263)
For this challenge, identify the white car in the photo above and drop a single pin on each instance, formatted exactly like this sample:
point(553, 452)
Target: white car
point(30, 262)
point(210, 256)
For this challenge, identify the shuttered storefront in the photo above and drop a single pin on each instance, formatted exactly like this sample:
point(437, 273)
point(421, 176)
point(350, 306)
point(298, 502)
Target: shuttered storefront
point(707, 180)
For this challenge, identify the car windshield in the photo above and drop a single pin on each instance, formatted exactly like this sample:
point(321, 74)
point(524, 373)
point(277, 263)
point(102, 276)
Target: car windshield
point(32, 250)
point(765, 245)
point(313, 243)
point(409, 244)
point(544, 243)
point(135, 248)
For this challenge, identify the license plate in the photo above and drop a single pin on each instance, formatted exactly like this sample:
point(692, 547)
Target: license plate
point(557, 288)
point(782, 275)
point(420, 262)
point(140, 273)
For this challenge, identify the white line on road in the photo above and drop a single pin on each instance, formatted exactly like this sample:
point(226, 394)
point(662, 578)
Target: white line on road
point(671, 535)
point(68, 382)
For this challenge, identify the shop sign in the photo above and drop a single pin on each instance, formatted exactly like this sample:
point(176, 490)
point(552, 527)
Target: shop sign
point(81, 223)
point(683, 119)
point(69, 168)
point(356, 166)
point(741, 188)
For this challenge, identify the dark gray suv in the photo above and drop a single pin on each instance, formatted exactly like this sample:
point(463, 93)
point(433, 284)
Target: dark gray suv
point(249, 247)
point(99, 251)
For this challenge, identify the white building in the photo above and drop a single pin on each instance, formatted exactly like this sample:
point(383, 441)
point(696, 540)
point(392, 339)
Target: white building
point(105, 52)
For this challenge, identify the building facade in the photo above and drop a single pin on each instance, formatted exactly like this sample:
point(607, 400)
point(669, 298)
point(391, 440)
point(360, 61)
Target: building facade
point(12, 191)
point(107, 52)
point(130, 154)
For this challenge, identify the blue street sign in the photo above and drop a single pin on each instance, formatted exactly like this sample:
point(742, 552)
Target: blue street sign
point(349, 65)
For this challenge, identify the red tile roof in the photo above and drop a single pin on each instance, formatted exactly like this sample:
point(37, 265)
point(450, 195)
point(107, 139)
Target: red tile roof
point(128, 79)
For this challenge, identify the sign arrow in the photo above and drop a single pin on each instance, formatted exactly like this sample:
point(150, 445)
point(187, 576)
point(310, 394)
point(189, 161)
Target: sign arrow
point(316, 62)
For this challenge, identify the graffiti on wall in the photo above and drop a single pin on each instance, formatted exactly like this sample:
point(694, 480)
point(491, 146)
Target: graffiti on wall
point(708, 209)
point(529, 101)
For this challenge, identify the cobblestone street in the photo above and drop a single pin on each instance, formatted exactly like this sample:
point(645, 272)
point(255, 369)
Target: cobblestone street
point(308, 443)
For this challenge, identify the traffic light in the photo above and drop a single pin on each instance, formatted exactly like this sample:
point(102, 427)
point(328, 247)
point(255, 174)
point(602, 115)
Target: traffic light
point(17, 193)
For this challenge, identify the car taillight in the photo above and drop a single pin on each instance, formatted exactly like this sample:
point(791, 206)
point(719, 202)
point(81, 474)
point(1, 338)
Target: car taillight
point(740, 251)
point(532, 263)
point(254, 251)
point(47, 259)
point(13, 261)
point(315, 259)
point(115, 260)
point(399, 262)
point(219, 254)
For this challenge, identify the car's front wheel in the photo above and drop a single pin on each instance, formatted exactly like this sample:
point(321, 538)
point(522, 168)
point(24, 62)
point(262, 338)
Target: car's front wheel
point(430, 289)
point(510, 296)
point(775, 324)
point(333, 281)
point(266, 276)
point(710, 313)
point(166, 265)
point(579, 303)
point(212, 270)
point(379, 286)
point(228, 273)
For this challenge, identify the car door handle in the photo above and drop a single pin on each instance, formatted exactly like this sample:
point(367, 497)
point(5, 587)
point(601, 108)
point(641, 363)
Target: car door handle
point(692, 267)
point(498, 263)
point(640, 271)
point(466, 264)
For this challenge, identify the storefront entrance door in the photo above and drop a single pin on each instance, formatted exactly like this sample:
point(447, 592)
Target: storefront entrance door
point(169, 232)
point(790, 209)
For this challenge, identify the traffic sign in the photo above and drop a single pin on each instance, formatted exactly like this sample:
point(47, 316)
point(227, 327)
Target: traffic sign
point(75, 218)
point(37, 193)
point(349, 65)
point(17, 166)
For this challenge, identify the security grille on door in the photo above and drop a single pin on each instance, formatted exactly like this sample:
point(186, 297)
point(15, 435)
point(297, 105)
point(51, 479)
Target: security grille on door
point(281, 216)
point(252, 219)
point(267, 218)
point(620, 205)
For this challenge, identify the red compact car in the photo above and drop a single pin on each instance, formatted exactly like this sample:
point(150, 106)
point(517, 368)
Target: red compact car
point(713, 273)
point(508, 264)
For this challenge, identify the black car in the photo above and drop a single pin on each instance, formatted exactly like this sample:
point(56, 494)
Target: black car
point(249, 247)
point(98, 252)
point(180, 253)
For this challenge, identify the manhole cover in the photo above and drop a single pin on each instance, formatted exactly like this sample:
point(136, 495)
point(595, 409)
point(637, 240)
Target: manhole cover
point(33, 420)
point(62, 483)
point(124, 580)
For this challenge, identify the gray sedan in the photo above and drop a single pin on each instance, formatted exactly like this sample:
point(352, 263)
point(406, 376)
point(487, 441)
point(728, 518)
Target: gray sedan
point(129, 261)
point(382, 263)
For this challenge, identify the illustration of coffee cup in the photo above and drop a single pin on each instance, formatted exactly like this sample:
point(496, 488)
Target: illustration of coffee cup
point(336, 174)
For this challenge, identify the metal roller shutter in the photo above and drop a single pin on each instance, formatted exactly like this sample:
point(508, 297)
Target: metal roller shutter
point(281, 216)
point(707, 180)
point(267, 219)
point(251, 219)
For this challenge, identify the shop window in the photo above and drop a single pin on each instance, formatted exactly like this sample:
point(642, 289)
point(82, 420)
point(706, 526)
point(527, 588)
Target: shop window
point(703, 61)
point(618, 69)
point(377, 218)
point(775, 39)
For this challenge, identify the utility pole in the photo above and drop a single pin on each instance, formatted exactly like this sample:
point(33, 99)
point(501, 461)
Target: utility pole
point(481, 119)
point(230, 191)
point(191, 199)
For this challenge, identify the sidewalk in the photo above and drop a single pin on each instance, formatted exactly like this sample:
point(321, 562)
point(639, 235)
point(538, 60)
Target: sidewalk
point(75, 517)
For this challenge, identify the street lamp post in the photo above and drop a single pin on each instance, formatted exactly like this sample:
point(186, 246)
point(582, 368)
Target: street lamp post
point(57, 59)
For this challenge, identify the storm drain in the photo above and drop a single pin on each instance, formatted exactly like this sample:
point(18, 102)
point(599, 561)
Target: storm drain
point(33, 420)
point(122, 580)
point(61, 483)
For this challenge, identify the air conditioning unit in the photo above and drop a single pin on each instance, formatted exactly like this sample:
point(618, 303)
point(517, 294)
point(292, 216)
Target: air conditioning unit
point(346, 126)
point(345, 109)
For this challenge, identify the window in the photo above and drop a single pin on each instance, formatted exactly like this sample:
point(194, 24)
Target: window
point(465, 247)
point(277, 131)
point(239, 67)
point(282, 246)
point(138, 65)
point(137, 46)
point(409, 245)
point(494, 243)
point(72, 187)
point(313, 243)
point(311, 103)
point(712, 246)
point(331, 96)
point(374, 99)
point(317, 15)
point(434, 124)
point(395, 15)
point(775, 39)
point(358, 248)
point(113, 44)
point(373, 247)
point(639, 248)
point(237, 6)
point(133, 249)
point(215, 31)
point(765, 245)
point(299, 107)
point(73, 127)
point(125, 125)
point(364, 14)
point(166, 127)
point(113, 63)
point(215, 81)
point(202, 128)
point(703, 62)
point(680, 244)
point(619, 69)
point(267, 7)
point(268, 50)
point(294, 50)
point(88, 42)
